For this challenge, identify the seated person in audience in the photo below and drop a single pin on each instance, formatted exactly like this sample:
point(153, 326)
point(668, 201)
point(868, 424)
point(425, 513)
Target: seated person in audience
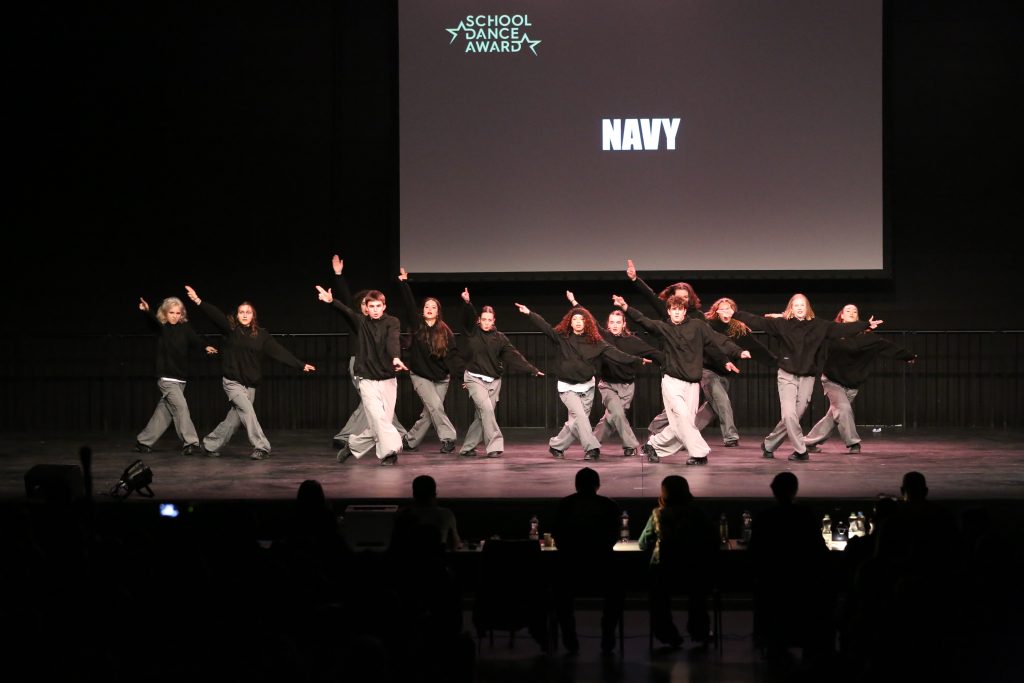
point(683, 543)
point(586, 530)
point(424, 509)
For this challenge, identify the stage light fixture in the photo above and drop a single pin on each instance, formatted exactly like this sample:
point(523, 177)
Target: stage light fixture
point(136, 477)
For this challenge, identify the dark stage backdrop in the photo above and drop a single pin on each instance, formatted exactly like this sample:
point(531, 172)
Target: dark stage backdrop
point(235, 147)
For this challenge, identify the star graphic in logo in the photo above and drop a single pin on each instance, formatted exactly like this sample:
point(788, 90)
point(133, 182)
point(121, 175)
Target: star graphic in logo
point(532, 44)
point(456, 31)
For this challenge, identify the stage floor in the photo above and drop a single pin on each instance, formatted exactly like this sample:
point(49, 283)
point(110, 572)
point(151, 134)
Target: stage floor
point(959, 465)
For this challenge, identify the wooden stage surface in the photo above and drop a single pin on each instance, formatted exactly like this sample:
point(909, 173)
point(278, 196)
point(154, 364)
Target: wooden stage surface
point(959, 466)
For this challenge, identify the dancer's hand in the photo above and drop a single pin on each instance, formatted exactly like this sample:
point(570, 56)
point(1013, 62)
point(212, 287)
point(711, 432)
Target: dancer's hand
point(402, 275)
point(192, 295)
point(398, 365)
point(324, 295)
point(211, 350)
point(745, 354)
point(465, 295)
point(630, 269)
point(620, 302)
point(571, 297)
point(308, 368)
point(143, 305)
point(337, 264)
point(732, 368)
point(523, 309)
point(872, 323)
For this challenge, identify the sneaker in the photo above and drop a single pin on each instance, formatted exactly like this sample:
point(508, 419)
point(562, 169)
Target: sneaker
point(814, 448)
point(338, 444)
point(799, 457)
point(649, 451)
point(628, 452)
point(406, 446)
point(211, 454)
point(732, 444)
point(556, 453)
point(593, 454)
point(696, 461)
point(259, 454)
point(141, 448)
point(389, 460)
point(471, 453)
point(447, 445)
point(765, 453)
point(192, 449)
point(494, 454)
point(343, 454)
point(855, 448)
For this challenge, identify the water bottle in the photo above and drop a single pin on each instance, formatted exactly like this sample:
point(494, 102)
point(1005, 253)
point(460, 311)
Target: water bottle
point(624, 529)
point(826, 529)
point(748, 526)
point(534, 528)
point(723, 529)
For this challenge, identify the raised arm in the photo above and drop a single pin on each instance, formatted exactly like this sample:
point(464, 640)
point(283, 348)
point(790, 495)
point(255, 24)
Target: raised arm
point(340, 288)
point(408, 300)
point(539, 322)
point(469, 315)
point(327, 296)
point(645, 291)
point(215, 315)
point(636, 316)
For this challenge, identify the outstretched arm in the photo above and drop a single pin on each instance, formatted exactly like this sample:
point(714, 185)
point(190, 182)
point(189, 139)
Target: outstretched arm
point(469, 315)
point(327, 296)
point(539, 322)
point(212, 312)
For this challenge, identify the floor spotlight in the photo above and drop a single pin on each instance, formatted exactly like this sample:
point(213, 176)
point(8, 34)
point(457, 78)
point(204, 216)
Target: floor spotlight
point(136, 477)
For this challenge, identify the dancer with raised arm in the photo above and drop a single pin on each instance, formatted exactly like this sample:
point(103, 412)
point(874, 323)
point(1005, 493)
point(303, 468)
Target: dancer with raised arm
point(847, 366)
point(174, 337)
point(432, 352)
point(378, 361)
point(715, 383)
point(356, 422)
point(580, 350)
point(245, 344)
point(491, 354)
point(617, 382)
point(801, 338)
point(685, 342)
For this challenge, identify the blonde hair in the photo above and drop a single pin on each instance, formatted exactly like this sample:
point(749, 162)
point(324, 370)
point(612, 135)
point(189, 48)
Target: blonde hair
point(169, 303)
point(788, 313)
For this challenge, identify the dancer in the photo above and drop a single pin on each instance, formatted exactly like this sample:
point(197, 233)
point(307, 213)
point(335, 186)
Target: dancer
point(580, 349)
point(490, 355)
point(685, 342)
point(617, 382)
point(846, 368)
point(714, 383)
point(175, 335)
point(431, 352)
point(686, 292)
point(377, 364)
point(245, 344)
point(357, 420)
point(801, 337)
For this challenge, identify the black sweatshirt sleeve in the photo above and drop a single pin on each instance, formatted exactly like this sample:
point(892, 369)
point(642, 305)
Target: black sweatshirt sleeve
point(514, 360)
point(409, 305)
point(341, 290)
point(279, 353)
point(350, 315)
point(216, 316)
point(152, 323)
point(657, 304)
point(642, 320)
point(469, 316)
point(542, 325)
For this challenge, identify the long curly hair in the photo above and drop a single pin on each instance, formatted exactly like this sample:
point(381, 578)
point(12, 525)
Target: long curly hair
point(734, 328)
point(590, 330)
point(437, 336)
point(694, 300)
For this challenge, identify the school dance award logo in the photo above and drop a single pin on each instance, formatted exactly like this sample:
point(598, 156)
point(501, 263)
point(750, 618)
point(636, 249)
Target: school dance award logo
point(494, 33)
